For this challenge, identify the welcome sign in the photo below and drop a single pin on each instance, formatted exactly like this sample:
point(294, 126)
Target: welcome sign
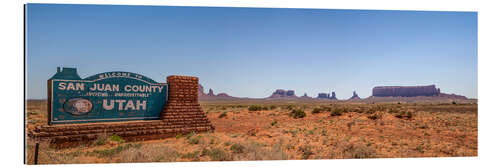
point(109, 96)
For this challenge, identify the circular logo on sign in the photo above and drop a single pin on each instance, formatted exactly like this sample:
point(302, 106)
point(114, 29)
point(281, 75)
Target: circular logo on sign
point(78, 106)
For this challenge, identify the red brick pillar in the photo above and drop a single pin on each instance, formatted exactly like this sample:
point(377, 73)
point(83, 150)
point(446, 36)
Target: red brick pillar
point(183, 89)
point(183, 109)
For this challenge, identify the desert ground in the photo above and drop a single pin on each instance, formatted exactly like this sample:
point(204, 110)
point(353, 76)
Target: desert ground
point(288, 129)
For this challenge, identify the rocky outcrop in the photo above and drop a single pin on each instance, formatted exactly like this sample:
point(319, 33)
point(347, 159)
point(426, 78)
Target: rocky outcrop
point(211, 95)
point(355, 96)
point(405, 91)
point(280, 93)
point(210, 92)
point(323, 96)
point(334, 96)
point(201, 92)
point(452, 96)
point(223, 95)
point(327, 96)
point(305, 96)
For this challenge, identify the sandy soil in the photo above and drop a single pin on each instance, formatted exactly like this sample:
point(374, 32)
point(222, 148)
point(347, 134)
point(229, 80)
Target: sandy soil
point(380, 130)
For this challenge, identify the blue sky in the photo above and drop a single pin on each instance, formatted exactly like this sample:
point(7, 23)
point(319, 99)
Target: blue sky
point(250, 52)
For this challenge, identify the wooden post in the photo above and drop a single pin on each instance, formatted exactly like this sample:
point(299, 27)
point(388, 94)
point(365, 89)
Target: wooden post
point(37, 145)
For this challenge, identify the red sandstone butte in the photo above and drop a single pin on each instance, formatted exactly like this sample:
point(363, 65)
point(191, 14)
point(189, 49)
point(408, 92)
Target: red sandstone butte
point(405, 91)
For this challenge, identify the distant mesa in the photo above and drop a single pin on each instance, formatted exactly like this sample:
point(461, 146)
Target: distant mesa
point(327, 96)
point(354, 96)
point(280, 93)
point(405, 91)
point(421, 92)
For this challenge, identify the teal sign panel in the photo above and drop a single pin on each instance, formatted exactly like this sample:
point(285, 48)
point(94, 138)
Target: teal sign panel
point(109, 96)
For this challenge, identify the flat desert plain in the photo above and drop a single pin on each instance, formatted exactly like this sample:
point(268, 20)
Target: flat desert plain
point(288, 129)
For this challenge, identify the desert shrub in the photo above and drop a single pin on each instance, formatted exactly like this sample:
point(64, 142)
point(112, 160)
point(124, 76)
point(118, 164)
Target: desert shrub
point(370, 111)
point(272, 107)
point(191, 155)
point(204, 152)
point(375, 116)
point(219, 155)
point(326, 108)
point(392, 110)
point(274, 123)
point(453, 102)
point(358, 151)
point(324, 132)
point(290, 107)
point(116, 138)
point(404, 114)
point(306, 151)
point(357, 110)
point(194, 140)
point(223, 114)
point(298, 113)
point(252, 132)
point(237, 148)
point(255, 108)
point(100, 141)
point(346, 110)
point(336, 112)
point(420, 149)
point(178, 136)
point(191, 135)
point(316, 110)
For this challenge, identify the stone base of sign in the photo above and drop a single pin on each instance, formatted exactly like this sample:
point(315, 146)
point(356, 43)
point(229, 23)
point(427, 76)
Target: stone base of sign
point(130, 131)
point(181, 115)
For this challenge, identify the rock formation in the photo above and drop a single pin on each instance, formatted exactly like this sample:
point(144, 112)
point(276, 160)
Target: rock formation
point(323, 96)
point(211, 95)
point(327, 96)
point(210, 92)
point(305, 96)
point(354, 96)
point(223, 95)
point(405, 91)
point(333, 97)
point(200, 90)
point(280, 93)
